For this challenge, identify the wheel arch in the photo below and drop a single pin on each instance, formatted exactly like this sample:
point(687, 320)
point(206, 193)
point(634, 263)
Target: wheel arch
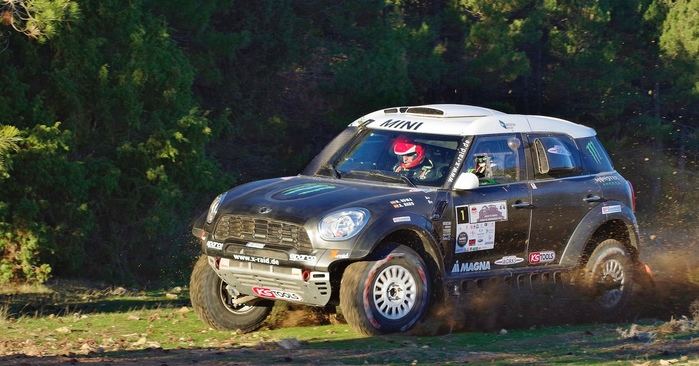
point(414, 233)
point(596, 227)
point(612, 229)
point(421, 243)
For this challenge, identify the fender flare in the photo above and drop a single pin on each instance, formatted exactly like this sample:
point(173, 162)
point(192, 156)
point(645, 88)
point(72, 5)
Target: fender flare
point(372, 236)
point(590, 223)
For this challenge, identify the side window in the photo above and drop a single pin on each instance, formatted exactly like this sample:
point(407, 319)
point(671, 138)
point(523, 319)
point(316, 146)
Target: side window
point(595, 158)
point(555, 156)
point(496, 159)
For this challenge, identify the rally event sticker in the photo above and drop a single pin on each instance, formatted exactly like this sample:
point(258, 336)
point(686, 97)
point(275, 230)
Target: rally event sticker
point(486, 212)
point(611, 209)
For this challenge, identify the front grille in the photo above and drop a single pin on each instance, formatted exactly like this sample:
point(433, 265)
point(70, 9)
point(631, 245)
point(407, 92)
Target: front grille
point(233, 227)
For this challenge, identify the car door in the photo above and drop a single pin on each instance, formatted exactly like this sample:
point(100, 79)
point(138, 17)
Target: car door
point(562, 194)
point(491, 222)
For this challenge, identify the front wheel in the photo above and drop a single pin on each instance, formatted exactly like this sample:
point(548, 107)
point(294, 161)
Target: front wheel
point(213, 302)
point(385, 296)
point(610, 277)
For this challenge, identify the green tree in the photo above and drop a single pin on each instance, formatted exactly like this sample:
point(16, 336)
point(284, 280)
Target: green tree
point(680, 39)
point(128, 163)
point(38, 19)
point(8, 143)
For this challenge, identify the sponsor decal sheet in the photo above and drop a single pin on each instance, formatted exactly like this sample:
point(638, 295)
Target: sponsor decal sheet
point(475, 225)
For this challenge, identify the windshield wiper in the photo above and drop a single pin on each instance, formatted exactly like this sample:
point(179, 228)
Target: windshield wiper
point(381, 174)
point(408, 180)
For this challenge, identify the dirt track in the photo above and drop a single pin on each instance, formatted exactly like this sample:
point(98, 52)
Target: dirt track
point(458, 332)
point(593, 344)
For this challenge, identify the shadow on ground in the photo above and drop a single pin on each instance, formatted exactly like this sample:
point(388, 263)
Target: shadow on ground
point(61, 299)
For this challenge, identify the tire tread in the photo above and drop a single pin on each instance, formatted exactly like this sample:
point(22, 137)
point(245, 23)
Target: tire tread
point(350, 289)
point(199, 284)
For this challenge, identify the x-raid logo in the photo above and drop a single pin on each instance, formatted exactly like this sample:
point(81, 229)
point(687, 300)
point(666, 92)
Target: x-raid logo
point(470, 266)
point(459, 159)
point(401, 125)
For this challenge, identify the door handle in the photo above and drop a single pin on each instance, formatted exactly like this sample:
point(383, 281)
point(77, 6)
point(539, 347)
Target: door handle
point(593, 198)
point(520, 204)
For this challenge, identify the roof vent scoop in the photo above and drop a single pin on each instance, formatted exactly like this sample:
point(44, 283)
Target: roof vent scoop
point(425, 110)
point(395, 110)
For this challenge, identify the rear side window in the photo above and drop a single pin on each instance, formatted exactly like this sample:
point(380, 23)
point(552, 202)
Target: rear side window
point(555, 156)
point(594, 156)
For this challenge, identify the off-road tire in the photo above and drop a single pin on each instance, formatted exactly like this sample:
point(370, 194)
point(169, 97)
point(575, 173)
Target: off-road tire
point(358, 297)
point(610, 260)
point(204, 292)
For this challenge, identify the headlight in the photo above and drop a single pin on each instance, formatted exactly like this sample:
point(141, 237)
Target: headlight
point(213, 209)
point(341, 225)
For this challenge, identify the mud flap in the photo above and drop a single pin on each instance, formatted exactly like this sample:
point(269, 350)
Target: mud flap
point(644, 276)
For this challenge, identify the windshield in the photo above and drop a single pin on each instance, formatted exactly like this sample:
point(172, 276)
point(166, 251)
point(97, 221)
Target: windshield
point(397, 156)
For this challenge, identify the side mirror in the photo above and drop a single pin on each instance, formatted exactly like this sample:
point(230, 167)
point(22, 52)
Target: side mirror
point(466, 181)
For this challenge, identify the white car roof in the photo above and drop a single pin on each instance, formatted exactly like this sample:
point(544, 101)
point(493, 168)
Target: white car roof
point(466, 120)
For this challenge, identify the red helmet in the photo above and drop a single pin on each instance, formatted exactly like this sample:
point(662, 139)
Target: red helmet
point(404, 146)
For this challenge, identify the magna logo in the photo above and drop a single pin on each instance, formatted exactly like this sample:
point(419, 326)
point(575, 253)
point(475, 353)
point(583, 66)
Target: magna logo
point(275, 294)
point(542, 257)
point(470, 267)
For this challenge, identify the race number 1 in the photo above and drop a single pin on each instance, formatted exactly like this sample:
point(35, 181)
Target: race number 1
point(462, 215)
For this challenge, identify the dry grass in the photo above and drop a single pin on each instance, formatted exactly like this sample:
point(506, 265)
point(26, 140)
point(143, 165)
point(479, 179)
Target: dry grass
point(12, 289)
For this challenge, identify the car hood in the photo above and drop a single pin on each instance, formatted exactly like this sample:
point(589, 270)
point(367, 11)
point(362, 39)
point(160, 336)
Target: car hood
point(298, 199)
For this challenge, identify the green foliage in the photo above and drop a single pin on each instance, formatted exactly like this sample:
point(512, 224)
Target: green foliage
point(128, 165)
point(39, 234)
point(680, 43)
point(38, 19)
point(164, 104)
point(679, 36)
point(20, 260)
point(8, 143)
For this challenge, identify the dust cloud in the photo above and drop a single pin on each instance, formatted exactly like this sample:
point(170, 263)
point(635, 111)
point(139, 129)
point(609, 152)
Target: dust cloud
point(495, 305)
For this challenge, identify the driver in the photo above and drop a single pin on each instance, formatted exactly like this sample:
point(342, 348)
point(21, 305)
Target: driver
point(412, 160)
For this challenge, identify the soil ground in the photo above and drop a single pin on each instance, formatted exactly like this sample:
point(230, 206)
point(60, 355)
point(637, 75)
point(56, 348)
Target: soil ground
point(68, 323)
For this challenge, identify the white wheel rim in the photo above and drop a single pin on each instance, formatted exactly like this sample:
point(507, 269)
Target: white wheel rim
point(394, 292)
point(226, 301)
point(612, 273)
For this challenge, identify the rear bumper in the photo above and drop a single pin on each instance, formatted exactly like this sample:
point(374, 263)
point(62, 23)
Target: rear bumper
point(274, 282)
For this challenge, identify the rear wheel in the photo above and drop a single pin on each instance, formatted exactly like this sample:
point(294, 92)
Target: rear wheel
point(610, 277)
point(213, 302)
point(385, 296)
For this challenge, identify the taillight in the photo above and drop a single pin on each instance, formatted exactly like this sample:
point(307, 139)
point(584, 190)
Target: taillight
point(633, 196)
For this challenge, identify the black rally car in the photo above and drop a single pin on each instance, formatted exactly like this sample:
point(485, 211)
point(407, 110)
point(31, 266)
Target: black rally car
point(410, 204)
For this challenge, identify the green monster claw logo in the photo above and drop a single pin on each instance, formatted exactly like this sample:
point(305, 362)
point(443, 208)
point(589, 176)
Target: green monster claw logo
point(593, 151)
point(303, 190)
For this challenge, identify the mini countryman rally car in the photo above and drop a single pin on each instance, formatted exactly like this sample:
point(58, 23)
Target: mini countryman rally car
point(411, 204)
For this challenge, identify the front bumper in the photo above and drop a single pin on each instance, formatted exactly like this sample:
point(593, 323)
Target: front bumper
point(274, 282)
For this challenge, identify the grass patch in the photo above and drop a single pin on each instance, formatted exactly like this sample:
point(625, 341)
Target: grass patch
point(153, 324)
